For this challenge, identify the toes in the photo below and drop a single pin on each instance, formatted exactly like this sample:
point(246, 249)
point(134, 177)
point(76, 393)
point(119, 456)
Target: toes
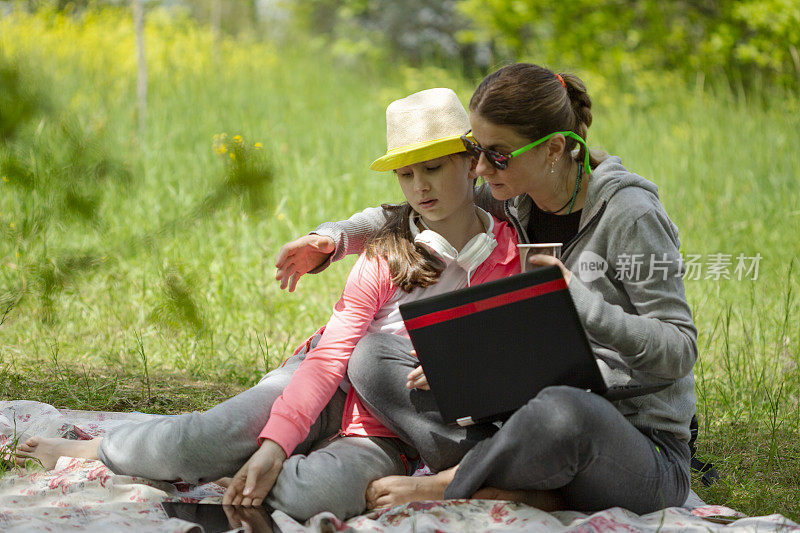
point(26, 460)
point(25, 448)
point(375, 490)
point(32, 442)
point(19, 452)
point(384, 502)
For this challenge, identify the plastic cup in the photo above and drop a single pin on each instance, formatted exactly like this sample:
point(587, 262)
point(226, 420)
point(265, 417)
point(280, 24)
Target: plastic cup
point(545, 248)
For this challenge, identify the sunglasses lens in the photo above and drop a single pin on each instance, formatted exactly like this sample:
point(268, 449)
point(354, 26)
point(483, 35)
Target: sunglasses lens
point(498, 161)
point(471, 147)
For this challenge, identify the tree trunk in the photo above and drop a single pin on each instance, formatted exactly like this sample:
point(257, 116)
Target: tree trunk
point(216, 17)
point(141, 84)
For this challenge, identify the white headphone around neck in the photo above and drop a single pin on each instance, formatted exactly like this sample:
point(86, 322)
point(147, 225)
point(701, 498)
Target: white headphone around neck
point(475, 252)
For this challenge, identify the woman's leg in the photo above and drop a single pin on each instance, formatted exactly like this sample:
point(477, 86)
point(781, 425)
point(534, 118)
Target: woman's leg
point(378, 369)
point(578, 443)
point(334, 476)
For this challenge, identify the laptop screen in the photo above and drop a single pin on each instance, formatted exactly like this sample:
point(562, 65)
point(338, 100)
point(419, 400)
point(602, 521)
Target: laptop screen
point(486, 350)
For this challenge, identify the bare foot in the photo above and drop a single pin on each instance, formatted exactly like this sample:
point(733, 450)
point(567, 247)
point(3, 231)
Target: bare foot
point(546, 500)
point(48, 450)
point(396, 490)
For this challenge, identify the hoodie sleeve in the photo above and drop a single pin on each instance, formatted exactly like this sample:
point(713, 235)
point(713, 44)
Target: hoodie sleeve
point(485, 200)
point(660, 338)
point(351, 235)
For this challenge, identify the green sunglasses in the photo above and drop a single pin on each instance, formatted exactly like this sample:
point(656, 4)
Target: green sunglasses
point(500, 161)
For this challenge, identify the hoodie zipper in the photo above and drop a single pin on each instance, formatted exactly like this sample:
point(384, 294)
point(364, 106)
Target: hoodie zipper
point(520, 231)
point(517, 227)
point(583, 230)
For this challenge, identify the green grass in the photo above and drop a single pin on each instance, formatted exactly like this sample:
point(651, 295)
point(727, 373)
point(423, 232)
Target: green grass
point(127, 288)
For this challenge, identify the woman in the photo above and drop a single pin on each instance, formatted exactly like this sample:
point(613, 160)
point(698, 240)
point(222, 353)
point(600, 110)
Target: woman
point(566, 447)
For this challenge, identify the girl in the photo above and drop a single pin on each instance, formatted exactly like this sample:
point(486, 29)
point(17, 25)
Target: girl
point(298, 441)
point(566, 447)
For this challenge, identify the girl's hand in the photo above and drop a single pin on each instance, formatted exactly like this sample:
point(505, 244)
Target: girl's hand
point(417, 380)
point(255, 479)
point(300, 257)
point(247, 518)
point(548, 260)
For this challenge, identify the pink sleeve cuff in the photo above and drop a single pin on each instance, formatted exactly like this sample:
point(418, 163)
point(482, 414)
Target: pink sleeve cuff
point(283, 431)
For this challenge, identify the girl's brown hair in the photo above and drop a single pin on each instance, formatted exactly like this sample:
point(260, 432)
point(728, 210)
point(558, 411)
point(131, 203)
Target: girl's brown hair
point(410, 265)
point(531, 100)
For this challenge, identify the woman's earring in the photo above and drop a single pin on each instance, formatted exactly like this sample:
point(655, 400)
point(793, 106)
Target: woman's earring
point(553, 166)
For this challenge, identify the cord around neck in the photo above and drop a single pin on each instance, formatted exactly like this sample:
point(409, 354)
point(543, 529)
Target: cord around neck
point(571, 201)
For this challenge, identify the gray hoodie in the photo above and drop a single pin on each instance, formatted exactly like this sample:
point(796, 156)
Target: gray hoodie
point(627, 284)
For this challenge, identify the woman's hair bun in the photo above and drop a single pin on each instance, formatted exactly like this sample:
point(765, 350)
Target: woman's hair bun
point(580, 102)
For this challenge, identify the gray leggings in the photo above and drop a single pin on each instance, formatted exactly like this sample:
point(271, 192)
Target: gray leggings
point(565, 439)
point(325, 472)
point(377, 369)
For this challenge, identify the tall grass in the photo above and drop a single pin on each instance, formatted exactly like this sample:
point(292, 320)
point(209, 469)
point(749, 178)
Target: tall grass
point(155, 278)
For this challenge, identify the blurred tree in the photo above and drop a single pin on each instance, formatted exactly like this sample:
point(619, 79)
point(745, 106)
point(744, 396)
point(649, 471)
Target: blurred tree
point(742, 39)
point(22, 99)
point(225, 16)
point(747, 41)
point(414, 30)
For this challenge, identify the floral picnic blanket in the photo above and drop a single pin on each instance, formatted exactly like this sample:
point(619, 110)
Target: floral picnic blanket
point(81, 495)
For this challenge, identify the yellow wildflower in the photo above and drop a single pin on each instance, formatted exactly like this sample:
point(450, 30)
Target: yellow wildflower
point(5, 178)
point(233, 156)
point(258, 146)
point(280, 216)
point(237, 139)
point(11, 225)
point(221, 149)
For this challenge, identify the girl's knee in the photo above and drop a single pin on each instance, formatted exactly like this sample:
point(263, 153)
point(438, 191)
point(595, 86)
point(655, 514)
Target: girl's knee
point(375, 355)
point(302, 494)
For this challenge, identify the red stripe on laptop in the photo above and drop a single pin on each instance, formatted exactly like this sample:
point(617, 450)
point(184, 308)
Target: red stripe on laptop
point(483, 305)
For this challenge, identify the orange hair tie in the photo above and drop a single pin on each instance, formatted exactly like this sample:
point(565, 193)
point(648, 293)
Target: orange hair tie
point(561, 80)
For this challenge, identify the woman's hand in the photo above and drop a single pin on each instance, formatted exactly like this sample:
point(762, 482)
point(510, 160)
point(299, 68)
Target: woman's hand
point(255, 479)
point(417, 380)
point(300, 257)
point(548, 260)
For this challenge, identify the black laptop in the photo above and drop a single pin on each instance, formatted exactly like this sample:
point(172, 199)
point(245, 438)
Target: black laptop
point(486, 350)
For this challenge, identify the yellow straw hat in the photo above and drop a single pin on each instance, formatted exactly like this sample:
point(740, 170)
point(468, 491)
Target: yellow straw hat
point(423, 126)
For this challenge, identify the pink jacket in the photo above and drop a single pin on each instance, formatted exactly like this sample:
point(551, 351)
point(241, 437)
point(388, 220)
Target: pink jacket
point(313, 384)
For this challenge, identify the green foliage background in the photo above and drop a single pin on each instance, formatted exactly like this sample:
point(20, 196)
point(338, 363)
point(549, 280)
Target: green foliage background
point(149, 254)
point(747, 42)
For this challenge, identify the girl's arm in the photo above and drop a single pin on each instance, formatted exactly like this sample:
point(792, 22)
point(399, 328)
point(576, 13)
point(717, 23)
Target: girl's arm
point(315, 381)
